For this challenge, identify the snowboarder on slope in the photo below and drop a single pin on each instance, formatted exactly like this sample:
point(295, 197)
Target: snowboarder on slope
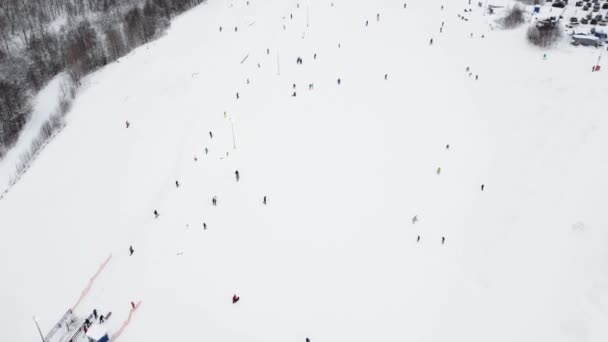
point(235, 298)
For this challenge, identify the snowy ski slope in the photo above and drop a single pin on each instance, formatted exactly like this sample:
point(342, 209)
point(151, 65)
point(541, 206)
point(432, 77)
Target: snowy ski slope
point(333, 256)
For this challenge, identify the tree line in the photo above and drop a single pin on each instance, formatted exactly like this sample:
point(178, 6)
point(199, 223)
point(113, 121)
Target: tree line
point(41, 38)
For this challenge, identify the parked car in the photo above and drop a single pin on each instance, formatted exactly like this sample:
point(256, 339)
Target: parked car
point(593, 22)
point(573, 20)
point(586, 40)
point(602, 23)
point(559, 4)
point(584, 21)
point(605, 5)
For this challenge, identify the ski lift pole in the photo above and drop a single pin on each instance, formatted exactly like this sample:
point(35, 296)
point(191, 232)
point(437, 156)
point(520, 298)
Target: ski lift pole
point(307, 6)
point(38, 327)
point(233, 136)
point(278, 65)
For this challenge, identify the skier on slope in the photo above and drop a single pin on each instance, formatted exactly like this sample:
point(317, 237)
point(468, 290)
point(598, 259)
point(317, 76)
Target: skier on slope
point(176, 184)
point(264, 201)
point(443, 240)
point(235, 298)
point(131, 250)
point(236, 173)
point(210, 134)
point(155, 214)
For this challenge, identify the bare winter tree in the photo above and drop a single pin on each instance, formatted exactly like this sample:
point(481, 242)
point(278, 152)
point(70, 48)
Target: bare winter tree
point(513, 18)
point(544, 36)
point(14, 110)
point(45, 58)
point(115, 43)
point(82, 50)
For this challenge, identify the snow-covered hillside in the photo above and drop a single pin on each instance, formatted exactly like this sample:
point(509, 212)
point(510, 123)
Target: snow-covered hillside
point(333, 255)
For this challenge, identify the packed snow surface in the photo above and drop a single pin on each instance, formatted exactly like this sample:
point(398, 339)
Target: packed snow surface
point(333, 255)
